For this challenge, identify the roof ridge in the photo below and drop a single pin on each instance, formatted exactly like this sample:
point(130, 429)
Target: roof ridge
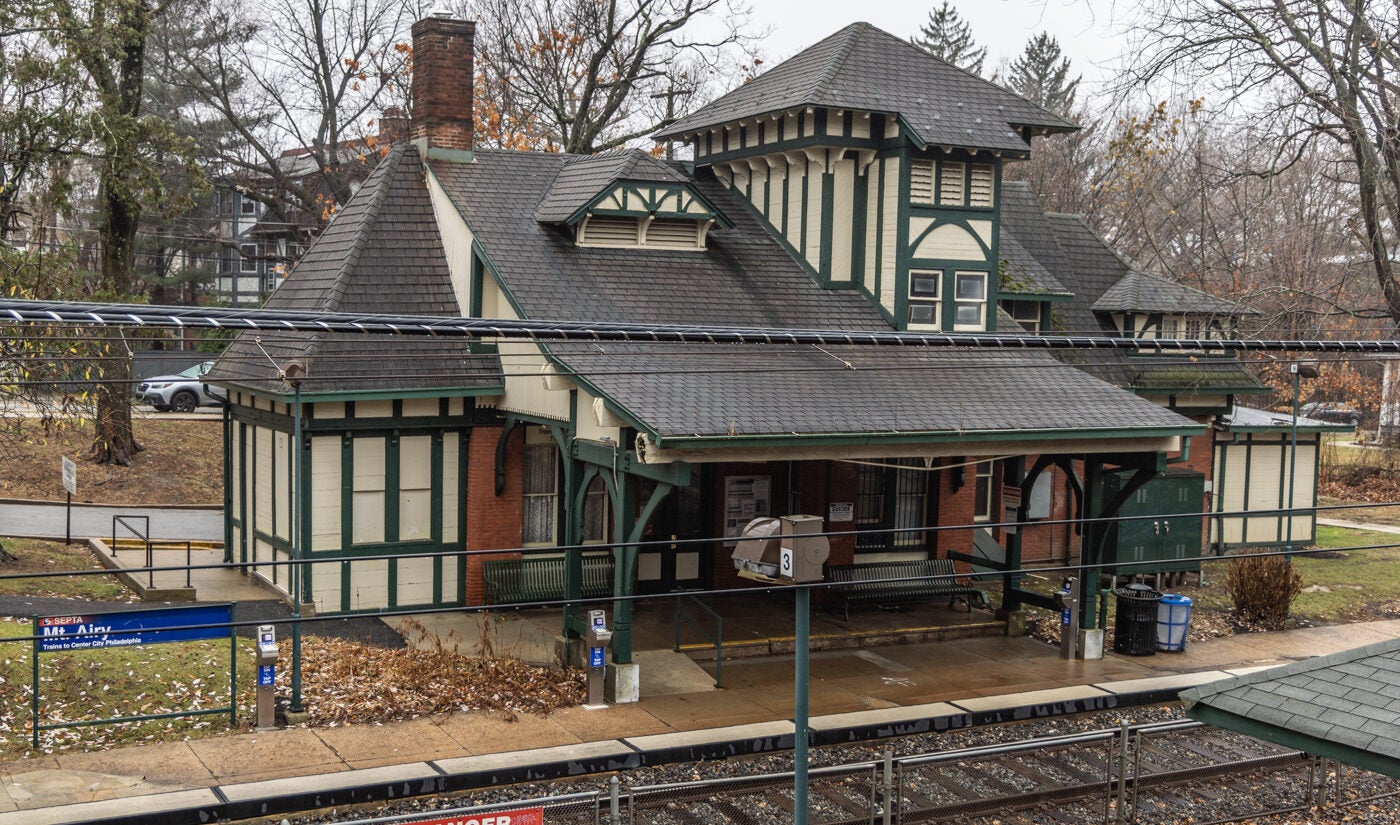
point(391, 164)
point(838, 61)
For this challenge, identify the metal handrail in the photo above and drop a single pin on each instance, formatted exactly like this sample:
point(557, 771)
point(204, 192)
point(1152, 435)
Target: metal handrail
point(717, 640)
point(145, 537)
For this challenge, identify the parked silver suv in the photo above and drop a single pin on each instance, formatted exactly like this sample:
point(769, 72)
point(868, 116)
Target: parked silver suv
point(180, 393)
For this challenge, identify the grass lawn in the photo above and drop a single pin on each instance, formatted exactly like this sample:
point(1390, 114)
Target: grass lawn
point(126, 681)
point(38, 556)
point(1352, 584)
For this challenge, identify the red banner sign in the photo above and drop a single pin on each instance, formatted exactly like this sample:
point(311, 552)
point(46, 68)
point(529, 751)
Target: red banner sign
point(519, 816)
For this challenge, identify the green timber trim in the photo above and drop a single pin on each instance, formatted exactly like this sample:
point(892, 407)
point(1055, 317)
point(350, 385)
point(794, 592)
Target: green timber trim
point(656, 193)
point(828, 220)
point(915, 437)
point(813, 141)
point(941, 217)
point(351, 423)
point(365, 395)
point(1042, 297)
point(860, 202)
point(600, 455)
point(876, 287)
point(902, 248)
point(778, 235)
point(1346, 754)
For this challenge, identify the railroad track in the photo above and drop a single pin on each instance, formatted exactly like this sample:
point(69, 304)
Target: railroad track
point(1166, 772)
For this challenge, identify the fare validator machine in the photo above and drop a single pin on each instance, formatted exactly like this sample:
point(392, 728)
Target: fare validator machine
point(597, 637)
point(267, 677)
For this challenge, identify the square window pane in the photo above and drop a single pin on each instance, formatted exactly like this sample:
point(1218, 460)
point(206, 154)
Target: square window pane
point(972, 286)
point(922, 314)
point(924, 284)
point(969, 314)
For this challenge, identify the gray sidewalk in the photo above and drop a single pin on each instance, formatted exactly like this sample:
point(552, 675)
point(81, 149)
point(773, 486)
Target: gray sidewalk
point(43, 519)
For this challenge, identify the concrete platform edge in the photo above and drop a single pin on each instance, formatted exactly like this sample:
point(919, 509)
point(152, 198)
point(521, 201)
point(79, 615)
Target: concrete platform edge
point(470, 772)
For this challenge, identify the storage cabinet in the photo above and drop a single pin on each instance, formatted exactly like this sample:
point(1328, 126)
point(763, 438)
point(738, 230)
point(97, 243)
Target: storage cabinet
point(1160, 522)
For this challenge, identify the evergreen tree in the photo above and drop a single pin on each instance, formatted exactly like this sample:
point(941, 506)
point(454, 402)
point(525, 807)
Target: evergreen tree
point(948, 37)
point(1041, 75)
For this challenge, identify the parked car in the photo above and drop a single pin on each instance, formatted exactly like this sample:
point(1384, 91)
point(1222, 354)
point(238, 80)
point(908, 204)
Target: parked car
point(1333, 411)
point(180, 393)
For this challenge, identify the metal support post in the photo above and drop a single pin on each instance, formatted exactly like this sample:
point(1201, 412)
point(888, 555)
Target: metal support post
point(803, 599)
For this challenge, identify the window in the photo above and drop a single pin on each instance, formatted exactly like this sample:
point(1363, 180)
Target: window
point(982, 505)
point(595, 513)
point(541, 481)
point(1025, 313)
point(1193, 328)
point(246, 206)
point(248, 257)
point(1170, 327)
point(970, 301)
point(924, 305)
point(891, 498)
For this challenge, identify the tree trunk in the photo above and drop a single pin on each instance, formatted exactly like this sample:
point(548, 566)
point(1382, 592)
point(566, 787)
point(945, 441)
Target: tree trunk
point(113, 440)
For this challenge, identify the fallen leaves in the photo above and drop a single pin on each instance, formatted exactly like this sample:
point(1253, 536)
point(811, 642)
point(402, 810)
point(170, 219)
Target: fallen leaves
point(348, 683)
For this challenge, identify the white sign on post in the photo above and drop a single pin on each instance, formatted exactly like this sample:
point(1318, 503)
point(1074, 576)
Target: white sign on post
point(70, 475)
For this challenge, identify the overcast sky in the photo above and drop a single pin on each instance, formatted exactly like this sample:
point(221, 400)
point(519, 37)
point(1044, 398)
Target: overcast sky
point(1089, 31)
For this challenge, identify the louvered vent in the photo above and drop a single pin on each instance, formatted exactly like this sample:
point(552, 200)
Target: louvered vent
point(602, 230)
point(950, 184)
point(983, 182)
point(921, 181)
point(673, 233)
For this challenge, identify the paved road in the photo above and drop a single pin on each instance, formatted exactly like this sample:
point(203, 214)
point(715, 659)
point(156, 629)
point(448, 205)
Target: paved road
point(44, 520)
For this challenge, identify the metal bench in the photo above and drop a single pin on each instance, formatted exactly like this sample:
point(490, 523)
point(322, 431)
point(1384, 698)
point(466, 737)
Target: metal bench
point(517, 581)
point(861, 584)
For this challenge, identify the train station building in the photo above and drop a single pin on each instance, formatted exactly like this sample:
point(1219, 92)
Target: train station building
point(858, 187)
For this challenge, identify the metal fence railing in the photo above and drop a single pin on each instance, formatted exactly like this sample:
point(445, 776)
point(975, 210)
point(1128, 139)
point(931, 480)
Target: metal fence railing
point(1098, 773)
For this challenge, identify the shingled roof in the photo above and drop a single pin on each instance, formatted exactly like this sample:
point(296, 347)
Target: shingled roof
point(380, 254)
point(1095, 270)
point(1030, 255)
point(1344, 706)
point(1140, 292)
point(746, 278)
point(864, 68)
point(582, 178)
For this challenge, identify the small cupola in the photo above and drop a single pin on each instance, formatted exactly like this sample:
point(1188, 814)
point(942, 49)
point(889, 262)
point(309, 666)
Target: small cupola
point(629, 199)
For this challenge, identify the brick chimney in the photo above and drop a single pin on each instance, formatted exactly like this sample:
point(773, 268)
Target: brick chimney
point(393, 126)
point(442, 85)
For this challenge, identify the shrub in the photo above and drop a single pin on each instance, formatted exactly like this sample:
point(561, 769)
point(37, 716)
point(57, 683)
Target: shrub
point(1263, 588)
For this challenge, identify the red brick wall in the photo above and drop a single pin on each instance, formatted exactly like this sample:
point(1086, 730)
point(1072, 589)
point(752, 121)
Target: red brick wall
point(442, 82)
point(492, 521)
point(958, 506)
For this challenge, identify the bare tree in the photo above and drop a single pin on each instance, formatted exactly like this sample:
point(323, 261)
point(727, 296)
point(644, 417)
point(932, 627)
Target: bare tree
point(1315, 71)
point(309, 77)
point(589, 75)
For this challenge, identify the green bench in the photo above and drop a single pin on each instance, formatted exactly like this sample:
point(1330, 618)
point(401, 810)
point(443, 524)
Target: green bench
point(862, 584)
point(517, 581)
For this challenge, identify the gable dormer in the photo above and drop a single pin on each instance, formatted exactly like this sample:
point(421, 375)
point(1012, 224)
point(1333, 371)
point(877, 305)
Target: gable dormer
point(628, 199)
point(1145, 306)
point(879, 168)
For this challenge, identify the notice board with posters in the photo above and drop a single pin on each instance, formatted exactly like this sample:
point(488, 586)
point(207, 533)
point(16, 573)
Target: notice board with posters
point(745, 499)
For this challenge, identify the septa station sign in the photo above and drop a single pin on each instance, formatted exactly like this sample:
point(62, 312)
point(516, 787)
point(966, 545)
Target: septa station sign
point(519, 816)
point(134, 627)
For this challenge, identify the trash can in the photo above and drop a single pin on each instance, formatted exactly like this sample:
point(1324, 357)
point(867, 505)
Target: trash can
point(1135, 625)
point(1173, 618)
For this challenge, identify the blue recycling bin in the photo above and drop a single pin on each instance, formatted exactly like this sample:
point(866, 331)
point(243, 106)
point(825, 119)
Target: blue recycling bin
point(1173, 618)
